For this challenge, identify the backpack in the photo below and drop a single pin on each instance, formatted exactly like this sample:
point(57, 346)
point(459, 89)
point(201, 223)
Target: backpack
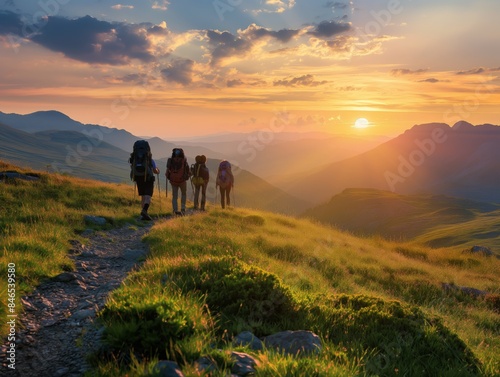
point(140, 161)
point(199, 171)
point(177, 172)
point(224, 175)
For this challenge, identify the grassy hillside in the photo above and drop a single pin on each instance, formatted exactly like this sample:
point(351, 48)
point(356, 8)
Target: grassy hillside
point(434, 220)
point(378, 306)
point(75, 154)
point(67, 152)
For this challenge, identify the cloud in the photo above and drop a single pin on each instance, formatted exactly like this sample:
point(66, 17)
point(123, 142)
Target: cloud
point(179, 71)
point(161, 5)
point(478, 71)
point(121, 6)
point(90, 40)
point(275, 6)
point(305, 80)
point(336, 5)
point(431, 80)
point(405, 71)
point(10, 23)
point(226, 45)
point(255, 32)
point(327, 29)
point(233, 83)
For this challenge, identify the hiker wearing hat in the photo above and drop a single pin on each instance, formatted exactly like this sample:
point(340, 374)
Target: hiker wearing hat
point(177, 174)
point(199, 179)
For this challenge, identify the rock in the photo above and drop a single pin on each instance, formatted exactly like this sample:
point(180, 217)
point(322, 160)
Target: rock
point(87, 232)
point(15, 175)
point(465, 290)
point(294, 342)
point(205, 364)
point(481, 249)
point(246, 338)
point(244, 364)
point(96, 220)
point(168, 369)
point(83, 314)
point(133, 255)
point(65, 277)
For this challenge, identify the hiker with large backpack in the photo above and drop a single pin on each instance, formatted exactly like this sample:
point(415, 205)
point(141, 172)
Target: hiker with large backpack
point(178, 174)
point(142, 172)
point(225, 181)
point(200, 176)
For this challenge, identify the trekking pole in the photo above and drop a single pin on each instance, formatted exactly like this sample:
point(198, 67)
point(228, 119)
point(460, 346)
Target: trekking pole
point(234, 200)
point(166, 189)
point(215, 201)
point(192, 187)
point(159, 192)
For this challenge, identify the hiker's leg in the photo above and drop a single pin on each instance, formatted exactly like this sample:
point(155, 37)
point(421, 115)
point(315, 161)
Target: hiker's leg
point(203, 196)
point(183, 187)
point(228, 200)
point(222, 198)
point(175, 194)
point(146, 201)
point(196, 196)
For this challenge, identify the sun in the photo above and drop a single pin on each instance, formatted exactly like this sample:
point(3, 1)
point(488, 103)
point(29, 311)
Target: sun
point(361, 123)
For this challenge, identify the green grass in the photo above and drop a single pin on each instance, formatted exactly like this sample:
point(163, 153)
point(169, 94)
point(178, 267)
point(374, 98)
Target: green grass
point(39, 218)
point(378, 306)
point(432, 220)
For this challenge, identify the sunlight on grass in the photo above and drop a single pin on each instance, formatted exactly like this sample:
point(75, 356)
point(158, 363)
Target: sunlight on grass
point(379, 306)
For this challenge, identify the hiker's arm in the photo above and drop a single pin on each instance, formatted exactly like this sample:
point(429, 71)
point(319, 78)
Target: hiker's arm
point(154, 167)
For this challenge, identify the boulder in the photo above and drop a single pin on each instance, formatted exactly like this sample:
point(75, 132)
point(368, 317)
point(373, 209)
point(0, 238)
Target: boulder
point(294, 342)
point(246, 338)
point(481, 249)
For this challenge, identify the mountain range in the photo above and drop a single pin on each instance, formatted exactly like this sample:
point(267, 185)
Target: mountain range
point(460, 160)
point(292, 169)
point(433, 220)
point(87, 154)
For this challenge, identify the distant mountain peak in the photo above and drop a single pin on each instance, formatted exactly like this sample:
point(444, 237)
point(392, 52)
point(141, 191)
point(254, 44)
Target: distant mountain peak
point(462, 124)
point(426, 127)
point(53, 114)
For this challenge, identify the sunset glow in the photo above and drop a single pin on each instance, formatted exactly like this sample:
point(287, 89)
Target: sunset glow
point(182, 68)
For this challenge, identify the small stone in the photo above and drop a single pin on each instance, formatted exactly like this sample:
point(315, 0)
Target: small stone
point(168, 369)
point(83, 314)
point(246, 338)
point(95, 220)
point(65, 277)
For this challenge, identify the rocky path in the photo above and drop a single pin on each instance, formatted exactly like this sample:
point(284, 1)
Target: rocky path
point(58, 330)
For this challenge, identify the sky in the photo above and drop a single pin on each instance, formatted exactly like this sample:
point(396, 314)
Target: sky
point(181, 68)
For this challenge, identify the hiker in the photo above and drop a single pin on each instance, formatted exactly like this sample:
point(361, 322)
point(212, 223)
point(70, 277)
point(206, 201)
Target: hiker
point(177, 174)
point(142, 172)
point(225, 181)
point(199, 179)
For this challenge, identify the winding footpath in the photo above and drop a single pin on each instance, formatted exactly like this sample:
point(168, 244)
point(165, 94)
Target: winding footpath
point(58, 330)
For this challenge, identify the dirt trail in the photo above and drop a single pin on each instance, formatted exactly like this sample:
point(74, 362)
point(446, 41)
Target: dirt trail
point(58, 330)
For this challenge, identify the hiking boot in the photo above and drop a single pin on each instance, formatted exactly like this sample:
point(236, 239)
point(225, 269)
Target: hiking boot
point(178, 213)
point(145, 216)
point(183, 212)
